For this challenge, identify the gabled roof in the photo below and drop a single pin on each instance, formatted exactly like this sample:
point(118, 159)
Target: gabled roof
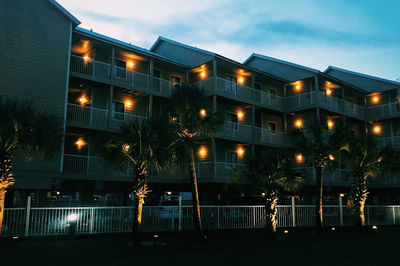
point(370, 83)
point(126, 45)
point(160, 39)
point(65, 12)
point(283, 69)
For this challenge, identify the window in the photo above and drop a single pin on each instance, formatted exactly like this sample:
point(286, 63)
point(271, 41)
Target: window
point(231, 158)
point(272, 93)
point(175, 80)
point(118, 110)
point(232, 120)
point(257, 86)
point(120, 69)
point(272, 126)
point(231, 84)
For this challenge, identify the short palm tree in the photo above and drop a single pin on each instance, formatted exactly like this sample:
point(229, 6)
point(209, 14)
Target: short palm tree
point(272, 172)
point(27, 132)
point(317, 145)
point(139, 147)
point(365, 158)
point(194, 117)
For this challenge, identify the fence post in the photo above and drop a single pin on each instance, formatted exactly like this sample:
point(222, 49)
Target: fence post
point(91, 220)
point(173, 219)
point(218, 218)
point(394, 215)
point(254, 216)
point(28, 214)
point(293, 213)
point(180, 214)
point(341, 210)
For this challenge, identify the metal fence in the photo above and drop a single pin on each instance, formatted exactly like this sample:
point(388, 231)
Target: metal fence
point(99, 220)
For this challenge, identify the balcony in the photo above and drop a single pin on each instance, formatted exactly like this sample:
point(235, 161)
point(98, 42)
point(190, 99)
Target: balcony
point(236, 131)
point(79, 115)
point(271, 137)
point(393, 141)
point(383, 111)
point(96, 167)
point(235, 91)
point(118, 76)
point(314, 99)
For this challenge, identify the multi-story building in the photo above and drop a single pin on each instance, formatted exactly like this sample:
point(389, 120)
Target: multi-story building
point(95, 83)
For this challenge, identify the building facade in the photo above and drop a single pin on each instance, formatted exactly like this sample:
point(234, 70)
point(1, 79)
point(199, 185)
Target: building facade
point(95, 83)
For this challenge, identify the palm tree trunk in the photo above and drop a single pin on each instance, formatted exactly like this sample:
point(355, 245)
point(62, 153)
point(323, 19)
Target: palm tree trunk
point(318, 203)
point(195, 197)
point(271, 201)
point(2, 199)
point(137, 219)
point(359, 195)
point(140, 194)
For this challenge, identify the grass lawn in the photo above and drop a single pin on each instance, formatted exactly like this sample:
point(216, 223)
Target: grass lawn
point(340, 247)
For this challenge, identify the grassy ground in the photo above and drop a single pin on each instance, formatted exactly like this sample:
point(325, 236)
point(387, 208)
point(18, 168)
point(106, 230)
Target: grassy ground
point(379, 247)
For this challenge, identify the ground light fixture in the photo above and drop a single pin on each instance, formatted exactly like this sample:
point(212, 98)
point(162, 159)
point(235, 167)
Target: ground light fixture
point(286, 231)
point(333, 229)
point(374, 227)
point(72, 220)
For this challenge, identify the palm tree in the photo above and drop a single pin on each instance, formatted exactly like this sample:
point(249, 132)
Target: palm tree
point(365, 159)
point(194, 119)
point(272, 172)
point(140, 146)
point(27, 132)
point(317, 145)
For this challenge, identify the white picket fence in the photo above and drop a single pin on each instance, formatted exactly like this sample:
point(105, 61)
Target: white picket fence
point(100, 220)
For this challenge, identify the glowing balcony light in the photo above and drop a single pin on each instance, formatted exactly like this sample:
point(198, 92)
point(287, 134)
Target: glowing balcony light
point(83, 100)
point(331, 157)
point(128, 103)
point(86, 58)
point(80, 143)
point(240, 115)
point(131, 64)
point(330, 124)
point(299, 158)
point(328, 92)
point(375, 99)
point(203, 74)
point(298, 123)
point(377, 130)
point(202, 153)
point(241, 80)
point(203, 113)
point(240, 151)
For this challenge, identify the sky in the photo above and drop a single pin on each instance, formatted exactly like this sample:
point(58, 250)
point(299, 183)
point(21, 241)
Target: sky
point(358, 35)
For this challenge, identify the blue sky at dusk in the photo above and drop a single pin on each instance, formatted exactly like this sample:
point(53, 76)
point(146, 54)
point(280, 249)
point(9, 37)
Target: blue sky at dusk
point(358, 35)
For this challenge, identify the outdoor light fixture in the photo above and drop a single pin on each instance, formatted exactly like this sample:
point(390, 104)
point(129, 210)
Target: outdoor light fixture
point(128, 103)
point(80, 143)
point(83, 100)
point(375, 99)
point(341, 195)
point(131, 64)
point(298, 123)
point(202, 152)
point(333, 229)
point(203, 74)
point(241, 80)
point(240, 115)
point(330, 124)
point(263, 194)
point(331, 157)
point(299, 158)
point(86, 58)
point(203, 113)
point(169, 192)
point(174, 119)
point(286, 231)
point(240, 151)
point(374, 227)
point(328, 91)
point(377, 129)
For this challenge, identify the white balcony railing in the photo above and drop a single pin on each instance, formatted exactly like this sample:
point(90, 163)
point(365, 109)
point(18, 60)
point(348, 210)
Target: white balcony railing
point(119, 118)
point(86, 165)
point(87, 115)
point(383, 111)
point(237, 131)
point(273, 137)
point(90, 67)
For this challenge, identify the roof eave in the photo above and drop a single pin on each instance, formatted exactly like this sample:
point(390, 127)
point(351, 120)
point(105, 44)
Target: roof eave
point(74, 20)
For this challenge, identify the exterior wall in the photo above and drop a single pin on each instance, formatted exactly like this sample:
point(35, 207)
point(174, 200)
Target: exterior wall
point(300, 86)
point(269, 117)
point(225, 108)
point(34, 57)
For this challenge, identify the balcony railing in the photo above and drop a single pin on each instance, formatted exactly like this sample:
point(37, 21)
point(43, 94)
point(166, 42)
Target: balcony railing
point(121, 76)
point(383, 111)
point(86, 165)
point(271, 137)
point(393, 141)
point(90, 116)
point(237, 131)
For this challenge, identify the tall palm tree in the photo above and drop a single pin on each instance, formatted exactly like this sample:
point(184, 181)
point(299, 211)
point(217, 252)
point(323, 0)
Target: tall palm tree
point(272, 172)
point(140, 146)
point(194, 117)
point(365, 158)
point(316, 145)
point(27, 132)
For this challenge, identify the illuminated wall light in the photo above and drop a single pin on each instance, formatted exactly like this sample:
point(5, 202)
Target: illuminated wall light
point(203, 113)
point(86, 58)
point(241, 80)
point(168, 193)
point(203, 152)
point(328, 92)
point(299, 158)
point(80, 143)
point(128, 103)
point(297, 87)
point(341, 195)
point(174, 119)
point(330, 124)
point(377, 129)
point(263, 194)
point(375, 99)
point(131, 64)
point(203, 74)
point(83, 100)
point(240, 115)
point(240, 151)
point(298, 123)
point(331, 157)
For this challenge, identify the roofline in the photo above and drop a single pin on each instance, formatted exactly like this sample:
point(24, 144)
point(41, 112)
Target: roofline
point(160, 38)
point(65, 12)
point(345, 83)
point(281, 62)
point(362, 75)
point(127, 45)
